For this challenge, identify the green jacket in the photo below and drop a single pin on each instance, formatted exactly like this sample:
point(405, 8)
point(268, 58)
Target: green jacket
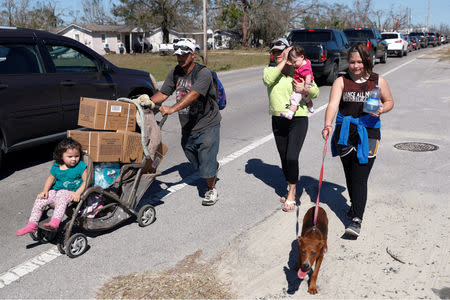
point(279, 89)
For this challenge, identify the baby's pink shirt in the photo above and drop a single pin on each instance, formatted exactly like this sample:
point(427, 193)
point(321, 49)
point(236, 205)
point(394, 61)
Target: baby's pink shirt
point(303, 71)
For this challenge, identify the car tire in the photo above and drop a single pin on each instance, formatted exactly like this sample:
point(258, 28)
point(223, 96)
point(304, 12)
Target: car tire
point(405, 53)
point(333, 73)
point(383, 59)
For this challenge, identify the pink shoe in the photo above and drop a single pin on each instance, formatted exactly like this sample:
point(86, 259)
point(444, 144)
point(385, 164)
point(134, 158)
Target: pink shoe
point(52, 225)
point(30, 228)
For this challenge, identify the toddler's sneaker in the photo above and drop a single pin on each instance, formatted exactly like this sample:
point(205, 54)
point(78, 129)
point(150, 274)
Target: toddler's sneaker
point(286, 115)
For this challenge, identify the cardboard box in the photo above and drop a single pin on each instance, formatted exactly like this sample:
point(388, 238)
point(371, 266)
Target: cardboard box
point(132, 151)
point(107, 114)
point(152, 165)
point(102, 146)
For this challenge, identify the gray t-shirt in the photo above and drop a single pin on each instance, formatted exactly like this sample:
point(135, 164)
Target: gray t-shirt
point(203, 112)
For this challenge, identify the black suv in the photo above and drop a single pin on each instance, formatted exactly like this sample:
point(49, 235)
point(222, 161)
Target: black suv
point(422, 38)
point(43, 76)
point(371, 37)
point(327, 49)
point(432, 39)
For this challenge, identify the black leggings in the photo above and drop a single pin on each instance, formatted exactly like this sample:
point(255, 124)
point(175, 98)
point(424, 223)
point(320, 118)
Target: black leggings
point(356, 176)
point(289, 137)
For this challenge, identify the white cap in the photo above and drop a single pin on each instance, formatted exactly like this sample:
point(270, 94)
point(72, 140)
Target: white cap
point(184, 47)
point(279, 44)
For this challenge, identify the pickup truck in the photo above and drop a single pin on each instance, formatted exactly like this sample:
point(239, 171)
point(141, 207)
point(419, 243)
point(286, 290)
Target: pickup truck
point(327, 49)
point(168, 48)
point(371, 37)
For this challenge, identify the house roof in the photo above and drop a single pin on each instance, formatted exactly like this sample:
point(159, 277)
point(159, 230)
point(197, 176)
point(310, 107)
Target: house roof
point(102, 28)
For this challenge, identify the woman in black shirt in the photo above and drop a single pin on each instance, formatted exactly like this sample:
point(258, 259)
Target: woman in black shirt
point(357, 133)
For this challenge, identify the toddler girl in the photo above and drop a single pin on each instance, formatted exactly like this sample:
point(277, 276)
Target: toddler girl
point(303, 73)
point(65, 183)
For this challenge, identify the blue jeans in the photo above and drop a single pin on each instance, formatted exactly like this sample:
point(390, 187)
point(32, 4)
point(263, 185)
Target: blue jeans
point(201, 150)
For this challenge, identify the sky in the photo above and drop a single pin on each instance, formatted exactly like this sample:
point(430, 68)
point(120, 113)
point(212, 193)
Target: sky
point(439, 9)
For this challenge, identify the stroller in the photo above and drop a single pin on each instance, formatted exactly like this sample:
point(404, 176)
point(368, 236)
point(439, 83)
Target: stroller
point(120, 199)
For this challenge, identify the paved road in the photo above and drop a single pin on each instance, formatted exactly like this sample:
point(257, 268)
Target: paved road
point(250, 182)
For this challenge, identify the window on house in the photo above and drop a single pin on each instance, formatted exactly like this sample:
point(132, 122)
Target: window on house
point(77, 37)
point(119, 38)
point(103, 38)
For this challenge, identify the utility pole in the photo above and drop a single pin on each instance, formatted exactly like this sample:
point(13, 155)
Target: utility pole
point(428, 16)
point(205, 35)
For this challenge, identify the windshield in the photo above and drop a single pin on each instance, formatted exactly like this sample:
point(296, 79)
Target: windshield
point(388, 36)
point(358, 34)
point(310, 36)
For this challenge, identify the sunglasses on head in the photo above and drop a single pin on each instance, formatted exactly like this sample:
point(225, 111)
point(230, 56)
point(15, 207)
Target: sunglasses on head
point(279, 43)
point(182, 48)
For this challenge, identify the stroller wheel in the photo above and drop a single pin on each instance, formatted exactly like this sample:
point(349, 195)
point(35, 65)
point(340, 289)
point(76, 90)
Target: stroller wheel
point(76, 245)
point(146, 215)
point(43, 236)
point(61, 248)
point(37, 235)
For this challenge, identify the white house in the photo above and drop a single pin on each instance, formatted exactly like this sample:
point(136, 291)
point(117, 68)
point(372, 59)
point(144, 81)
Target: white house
point(129, 39)
point(109, 38)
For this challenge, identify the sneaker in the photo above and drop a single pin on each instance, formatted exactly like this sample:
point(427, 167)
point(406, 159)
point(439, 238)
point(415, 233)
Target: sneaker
point(211, 197)
point(354, 228)
point(311, 110)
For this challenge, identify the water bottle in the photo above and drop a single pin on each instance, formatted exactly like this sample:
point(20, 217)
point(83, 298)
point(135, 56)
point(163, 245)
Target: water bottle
point(372, 104)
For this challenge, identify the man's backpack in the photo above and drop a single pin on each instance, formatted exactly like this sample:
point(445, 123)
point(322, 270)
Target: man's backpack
point(220, 90)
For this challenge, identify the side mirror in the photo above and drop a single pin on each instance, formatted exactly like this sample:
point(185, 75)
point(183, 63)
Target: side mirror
point(105, 67)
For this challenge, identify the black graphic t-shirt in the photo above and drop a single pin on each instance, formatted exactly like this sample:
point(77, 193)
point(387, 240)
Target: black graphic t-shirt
point(352, 101)
point(203, 112)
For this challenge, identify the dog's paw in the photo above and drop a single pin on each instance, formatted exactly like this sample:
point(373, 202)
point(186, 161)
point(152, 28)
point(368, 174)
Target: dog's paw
point(312, 290)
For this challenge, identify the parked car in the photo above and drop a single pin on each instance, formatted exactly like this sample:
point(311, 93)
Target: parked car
point(413, 41)
point(327, 49)
point(43, 76)
point(372, 38)
point(432, 40)
point(422, 38)
point(397, 44)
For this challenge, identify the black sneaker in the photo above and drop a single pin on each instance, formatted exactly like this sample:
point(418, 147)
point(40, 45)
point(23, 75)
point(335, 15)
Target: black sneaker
point(354, 228)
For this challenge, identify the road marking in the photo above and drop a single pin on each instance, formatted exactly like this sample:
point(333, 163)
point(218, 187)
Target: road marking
point(45, 257)
point(29, 266)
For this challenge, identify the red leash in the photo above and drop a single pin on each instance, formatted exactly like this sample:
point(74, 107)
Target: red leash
point(316, 210)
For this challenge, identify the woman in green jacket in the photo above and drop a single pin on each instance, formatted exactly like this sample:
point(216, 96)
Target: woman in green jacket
point(289, 134)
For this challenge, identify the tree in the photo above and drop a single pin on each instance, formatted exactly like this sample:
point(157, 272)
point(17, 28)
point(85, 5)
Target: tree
point(165, 14)
point(42, 16)
point(94, 13)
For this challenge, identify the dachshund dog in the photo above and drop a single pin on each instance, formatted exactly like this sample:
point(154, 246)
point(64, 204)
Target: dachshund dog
point(312, 244)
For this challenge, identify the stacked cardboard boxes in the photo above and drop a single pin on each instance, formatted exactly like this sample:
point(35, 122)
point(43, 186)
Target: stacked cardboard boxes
point(114, 138)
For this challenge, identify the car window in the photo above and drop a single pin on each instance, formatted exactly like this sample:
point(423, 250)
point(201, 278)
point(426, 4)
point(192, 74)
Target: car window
point(387, 36)
point(311, 36)
point(358, 34)
point(19, 59)
point(67, 59)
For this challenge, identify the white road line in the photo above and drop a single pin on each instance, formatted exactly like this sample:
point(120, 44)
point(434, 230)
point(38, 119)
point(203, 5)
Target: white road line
point(31, 265)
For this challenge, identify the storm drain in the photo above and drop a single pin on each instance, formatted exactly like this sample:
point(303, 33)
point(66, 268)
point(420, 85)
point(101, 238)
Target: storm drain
point(416, 147)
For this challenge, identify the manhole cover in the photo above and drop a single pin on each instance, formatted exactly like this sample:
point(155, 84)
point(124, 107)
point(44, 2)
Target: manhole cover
point(416, 147)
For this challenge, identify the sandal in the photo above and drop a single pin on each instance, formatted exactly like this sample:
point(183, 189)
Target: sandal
point(283, 199)
point(289, 202)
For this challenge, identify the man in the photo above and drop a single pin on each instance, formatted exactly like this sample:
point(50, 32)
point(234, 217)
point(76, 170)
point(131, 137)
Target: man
point(198, 113)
